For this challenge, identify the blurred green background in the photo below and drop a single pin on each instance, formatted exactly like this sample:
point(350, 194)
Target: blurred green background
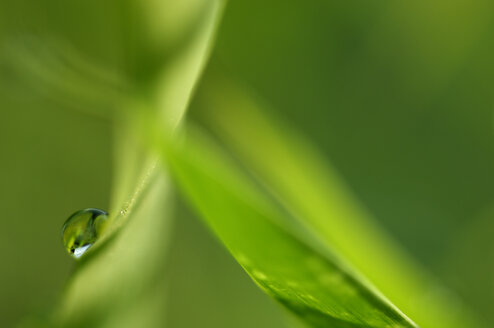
point(397, 95)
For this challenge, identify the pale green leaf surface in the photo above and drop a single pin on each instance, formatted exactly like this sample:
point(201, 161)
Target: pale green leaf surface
point(123, 268)
point(305, 183)
point(314, 285)
point(110, 281)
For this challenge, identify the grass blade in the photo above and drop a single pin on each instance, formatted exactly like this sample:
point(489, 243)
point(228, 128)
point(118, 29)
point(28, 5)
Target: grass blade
point(314, 285)
point(306, 184)
point(124, 267)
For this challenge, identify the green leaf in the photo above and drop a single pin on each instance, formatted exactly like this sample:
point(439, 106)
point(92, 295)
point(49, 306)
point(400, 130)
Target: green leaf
point(307, 185)
point(314, 284)
point(116, 283)
point(59, 73)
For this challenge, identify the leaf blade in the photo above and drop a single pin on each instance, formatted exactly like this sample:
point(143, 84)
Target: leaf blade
point(305, 183)
point(122, 268)
point(315, 286)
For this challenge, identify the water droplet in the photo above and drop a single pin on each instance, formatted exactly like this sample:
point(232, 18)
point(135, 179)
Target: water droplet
point(81, 230)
